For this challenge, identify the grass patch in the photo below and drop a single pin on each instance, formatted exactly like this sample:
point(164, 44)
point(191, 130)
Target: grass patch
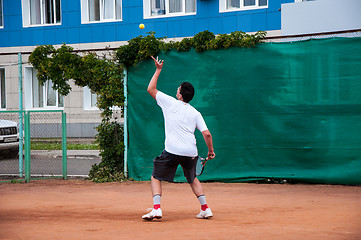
point(56, 145)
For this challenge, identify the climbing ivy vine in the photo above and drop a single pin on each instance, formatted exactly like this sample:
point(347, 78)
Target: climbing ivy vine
point(104, 76)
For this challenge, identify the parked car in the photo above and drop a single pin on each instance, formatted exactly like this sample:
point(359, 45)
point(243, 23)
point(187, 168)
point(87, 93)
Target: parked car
point(9, 139)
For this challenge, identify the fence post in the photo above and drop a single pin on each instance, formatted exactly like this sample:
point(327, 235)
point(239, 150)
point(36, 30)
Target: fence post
point(27, 147)
point(21, 127)
point(63, 129)
point(125, 125)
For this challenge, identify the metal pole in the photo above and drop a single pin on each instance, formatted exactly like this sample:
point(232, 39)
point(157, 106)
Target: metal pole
point(27, 147)
point(65, 163)
point(21, 127)
point(125, 126)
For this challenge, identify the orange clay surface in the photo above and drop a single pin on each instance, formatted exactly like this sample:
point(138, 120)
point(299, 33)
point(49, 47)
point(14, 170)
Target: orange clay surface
point(79, 209)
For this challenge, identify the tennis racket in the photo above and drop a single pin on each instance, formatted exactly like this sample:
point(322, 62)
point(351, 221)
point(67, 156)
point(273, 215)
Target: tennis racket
point(201, 162)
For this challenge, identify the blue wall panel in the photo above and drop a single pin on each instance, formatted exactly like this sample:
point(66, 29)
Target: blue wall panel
point(133, 3)
point(244, 22)
point(50, 36)
point(71, 19)
point(12, 22)
point(110, 32)
point(97, 33)
point(26, 36)
point(71, 31)
point(188, 27)
point(259, 21)
point(38, 38)
point(126, 29)
point(216, 25)
point(229, 24)
point(84, 35)
point(174, 29)
point(135, 15)
point(275, 5)
point(201, 25)
point(272, 23)
point(71, 35)
point(61, 35)
point(202, 9)
point(12, 7)
point(71, 5)
point(5, 38)
point(14, 38)
point(160, 28)
point(121, 30)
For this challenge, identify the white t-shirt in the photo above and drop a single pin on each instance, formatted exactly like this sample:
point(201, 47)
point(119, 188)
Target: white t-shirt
point(180, 121)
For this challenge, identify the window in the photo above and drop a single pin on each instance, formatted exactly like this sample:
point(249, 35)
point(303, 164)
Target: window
point(101, 10)
point(90, 99)
point(168, 8)
point(2, 89)
point(41, 12)
point(38, 96)
point(1, 14)
point(236, 5)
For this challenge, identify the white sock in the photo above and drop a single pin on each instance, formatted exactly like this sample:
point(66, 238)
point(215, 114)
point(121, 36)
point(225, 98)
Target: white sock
point(202, 199)
point(156, 199)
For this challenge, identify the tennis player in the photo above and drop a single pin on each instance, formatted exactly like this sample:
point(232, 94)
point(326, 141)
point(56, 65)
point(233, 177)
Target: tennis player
point(181, 120)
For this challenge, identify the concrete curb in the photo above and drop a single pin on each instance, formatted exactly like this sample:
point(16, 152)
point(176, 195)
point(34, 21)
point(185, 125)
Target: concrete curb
point(79, 154)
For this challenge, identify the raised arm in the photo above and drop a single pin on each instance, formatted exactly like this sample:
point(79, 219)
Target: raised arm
point(152, 87)
point(208, 139)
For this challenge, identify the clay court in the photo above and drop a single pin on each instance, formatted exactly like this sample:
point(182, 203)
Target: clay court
point(80, 209)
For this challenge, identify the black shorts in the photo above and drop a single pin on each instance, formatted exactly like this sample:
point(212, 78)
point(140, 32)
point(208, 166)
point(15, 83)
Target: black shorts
point(165, 166)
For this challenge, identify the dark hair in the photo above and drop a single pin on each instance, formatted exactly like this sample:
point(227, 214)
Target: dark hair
point(187, 91)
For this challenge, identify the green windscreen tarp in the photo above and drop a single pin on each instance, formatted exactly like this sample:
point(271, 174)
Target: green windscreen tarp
point(278, 110)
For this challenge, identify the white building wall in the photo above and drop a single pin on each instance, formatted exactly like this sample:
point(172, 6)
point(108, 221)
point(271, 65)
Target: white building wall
point(320, 16)
point(81, 122)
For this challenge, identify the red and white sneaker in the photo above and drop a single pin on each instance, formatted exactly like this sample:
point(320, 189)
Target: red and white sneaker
point(155, 213)
point(205, 214)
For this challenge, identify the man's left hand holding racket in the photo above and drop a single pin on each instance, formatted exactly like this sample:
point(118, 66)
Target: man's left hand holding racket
point(201, 162)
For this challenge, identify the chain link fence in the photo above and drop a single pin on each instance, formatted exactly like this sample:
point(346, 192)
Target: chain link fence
point(46, 134)
point(44, 144)
point(9, 145)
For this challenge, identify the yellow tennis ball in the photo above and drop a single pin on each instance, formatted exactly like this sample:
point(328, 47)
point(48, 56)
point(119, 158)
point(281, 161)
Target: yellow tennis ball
point(141, 26)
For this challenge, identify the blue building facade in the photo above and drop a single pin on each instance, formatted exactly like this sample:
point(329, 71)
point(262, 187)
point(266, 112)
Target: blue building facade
point(97, 24)
point(38, 22)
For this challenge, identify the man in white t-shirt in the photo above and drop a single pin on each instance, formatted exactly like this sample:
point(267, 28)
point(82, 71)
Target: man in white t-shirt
point(180, 120)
